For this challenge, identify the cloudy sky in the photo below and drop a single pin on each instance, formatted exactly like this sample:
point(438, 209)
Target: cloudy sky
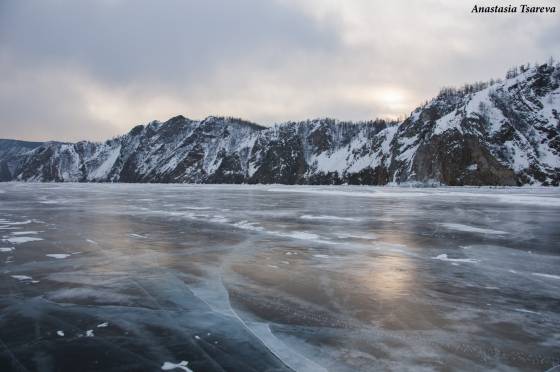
point(92, 69)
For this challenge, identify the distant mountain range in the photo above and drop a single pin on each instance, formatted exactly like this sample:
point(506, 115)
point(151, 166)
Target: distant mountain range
point(497, 133)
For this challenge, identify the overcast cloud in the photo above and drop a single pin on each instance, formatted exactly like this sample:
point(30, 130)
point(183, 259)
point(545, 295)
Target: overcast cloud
point(76, 70)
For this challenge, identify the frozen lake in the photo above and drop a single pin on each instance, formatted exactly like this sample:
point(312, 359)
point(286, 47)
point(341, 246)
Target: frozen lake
point(99, 277)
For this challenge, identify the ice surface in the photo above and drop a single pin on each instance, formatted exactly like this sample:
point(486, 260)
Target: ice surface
point(372, 278)
point(6, 249)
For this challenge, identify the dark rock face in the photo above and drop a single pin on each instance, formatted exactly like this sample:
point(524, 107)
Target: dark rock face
point(506, 133)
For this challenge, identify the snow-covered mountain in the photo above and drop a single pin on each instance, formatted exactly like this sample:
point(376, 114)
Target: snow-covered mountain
point(499, 133)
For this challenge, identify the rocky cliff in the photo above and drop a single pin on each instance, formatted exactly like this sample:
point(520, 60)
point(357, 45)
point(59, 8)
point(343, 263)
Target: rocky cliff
point(498, 133)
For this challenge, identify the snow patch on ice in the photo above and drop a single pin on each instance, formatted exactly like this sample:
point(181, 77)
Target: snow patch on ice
point(6, 222)
point(443, 257)
point(24, 278)
point(60, 333)
point(473, 229)
point(168, 366)
point(22, 239)
point(58, 256)
point(549, 276)
point(6, 249)
point(324, 217)
point(246, 225)
point(25, 232)
point(526, 311)
point(357, 236)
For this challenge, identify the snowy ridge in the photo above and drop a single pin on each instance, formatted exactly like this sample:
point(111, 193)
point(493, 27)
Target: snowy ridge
point(504, 133)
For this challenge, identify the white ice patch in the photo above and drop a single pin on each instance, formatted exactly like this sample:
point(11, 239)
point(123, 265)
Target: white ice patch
point(89, 333)
point(321, 255)
point(91, 241)
point(58, 256)
point(542, 201)
point(6, 249)
point(356, 236)
point(219, 219)
point(246, 225)
point(198, 208)
point(6, 222)
point(334, 192)
point(22, 239)
point(443, 257)
point(23, 278)
point(302, 235)
point(323, 217)
point(137, 236)
point(25, 232)
point(60, 333)
point(526, 311)
point(168, 366)
point(103, 325)
point(549, 276)
point(467, 228)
